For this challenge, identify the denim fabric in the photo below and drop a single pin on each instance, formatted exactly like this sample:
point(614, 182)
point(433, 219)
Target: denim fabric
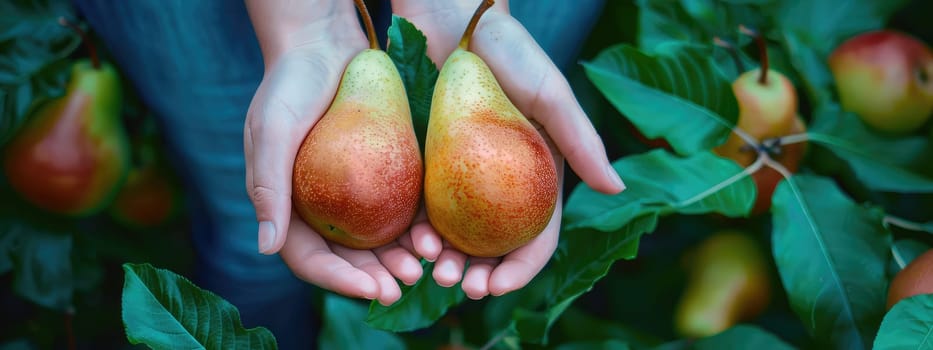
point(196, 64)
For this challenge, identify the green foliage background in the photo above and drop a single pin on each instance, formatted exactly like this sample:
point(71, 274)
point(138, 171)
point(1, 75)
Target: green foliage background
point(648, 68)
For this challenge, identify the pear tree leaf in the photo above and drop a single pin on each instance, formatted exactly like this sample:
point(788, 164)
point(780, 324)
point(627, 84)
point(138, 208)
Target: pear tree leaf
point(31, 37)
point(345, 327)
point(166, 311)
point(697, 21)
point(17, 102)
point(577, 324)
point(677, 93)
point(611, 344)
point(18, 344)
point(420, 305)
point(741, 336)
point(810, 30)
point(408, 49)
point(33, 48)
point(825, 24)
point(38, 251)
point(881, 163)
point(908, 325)
point(903, 251)
point(42, 267)
point(831, 255)
point(601, 229)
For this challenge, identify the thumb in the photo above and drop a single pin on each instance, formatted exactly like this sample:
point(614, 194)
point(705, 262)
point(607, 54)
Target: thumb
point(279, 117)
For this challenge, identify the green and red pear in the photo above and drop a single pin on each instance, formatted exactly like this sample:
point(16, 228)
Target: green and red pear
point(768, 105)
point(72, 154)
point(886, 78)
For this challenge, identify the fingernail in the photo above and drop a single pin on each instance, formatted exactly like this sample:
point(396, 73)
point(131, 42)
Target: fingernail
point(266, 236)
point(614, 176)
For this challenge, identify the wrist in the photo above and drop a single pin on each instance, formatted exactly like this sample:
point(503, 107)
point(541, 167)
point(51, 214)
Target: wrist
point(282, 26)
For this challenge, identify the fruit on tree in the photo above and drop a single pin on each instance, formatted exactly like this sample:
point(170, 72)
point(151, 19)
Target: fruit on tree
point(767, 111)
point(728, 282)
point(916, 278)
point(150, 198)
point(886, 78)
point(72, 154)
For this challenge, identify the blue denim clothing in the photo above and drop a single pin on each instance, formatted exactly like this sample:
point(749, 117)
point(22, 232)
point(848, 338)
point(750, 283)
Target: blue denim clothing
point(197, 64)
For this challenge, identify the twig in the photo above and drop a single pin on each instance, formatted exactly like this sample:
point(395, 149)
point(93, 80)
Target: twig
point(909, 225)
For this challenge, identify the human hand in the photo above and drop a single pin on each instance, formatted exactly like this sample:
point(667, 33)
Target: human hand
point(305, 58)
point(541, 93)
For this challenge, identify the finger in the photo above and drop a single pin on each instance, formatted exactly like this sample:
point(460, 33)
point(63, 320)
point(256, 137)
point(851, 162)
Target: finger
point(311, 260)
point(476, 281)
point(449, 267)
point(521, 265)
point(278, 119)
point(539, 89)
point(365, 260)
point(425, 240)
point(399, 262)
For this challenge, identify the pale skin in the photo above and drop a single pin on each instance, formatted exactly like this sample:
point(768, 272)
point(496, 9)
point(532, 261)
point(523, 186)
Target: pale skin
point(306, 45)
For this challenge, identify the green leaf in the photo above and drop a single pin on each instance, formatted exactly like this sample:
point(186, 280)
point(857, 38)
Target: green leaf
point(742, 337)
point(881, 163)
point(39, 252)
point(909, 325)
point(578, 325)
point(420, 305)
point(906, 250)
point(18, 101)
point(345, 328)
point(33, 46)
point(31, 37)
point(18, 344)
point(42, 266)
point(824, 24)
point(831, 254)
point(595, 345)
point(812, 29)
point(601, 229)
point(697, 21)
point(676, 93)
point(166, 311)
point(408, 49)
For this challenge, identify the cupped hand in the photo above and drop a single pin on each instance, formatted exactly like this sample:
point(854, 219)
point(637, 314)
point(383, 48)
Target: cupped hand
point(539, 90)
point(304, 65)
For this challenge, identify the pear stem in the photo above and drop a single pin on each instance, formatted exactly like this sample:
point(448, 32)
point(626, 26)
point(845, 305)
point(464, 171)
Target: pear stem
point(95, 62)
point(732, 52)
point(762, 52)
point(368, 22)
point(465, 40)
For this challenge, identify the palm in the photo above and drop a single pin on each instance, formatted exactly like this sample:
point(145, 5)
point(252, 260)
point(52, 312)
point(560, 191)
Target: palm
point(500, 40)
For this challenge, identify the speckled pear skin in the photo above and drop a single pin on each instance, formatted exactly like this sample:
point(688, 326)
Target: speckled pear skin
point(358, 175)
point(490, 180)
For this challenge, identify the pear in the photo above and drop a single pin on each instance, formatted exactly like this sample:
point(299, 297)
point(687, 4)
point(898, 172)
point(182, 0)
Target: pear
point(728, 282)
point(886, 78)
point(490, 180)
point(358, 174)
point(152, 196)
point(767, 110)
point(72, 155)
point(916, 278)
